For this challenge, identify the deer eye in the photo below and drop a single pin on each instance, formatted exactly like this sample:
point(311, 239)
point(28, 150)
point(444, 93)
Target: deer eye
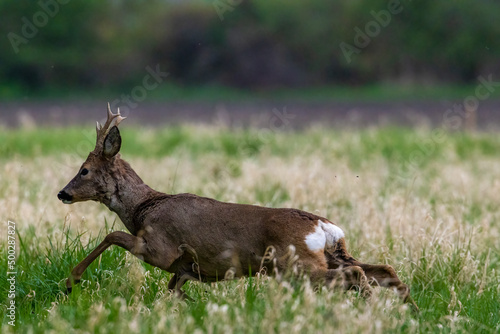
point(84, 172)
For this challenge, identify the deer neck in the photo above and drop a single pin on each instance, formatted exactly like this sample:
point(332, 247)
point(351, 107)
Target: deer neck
point(130, 191)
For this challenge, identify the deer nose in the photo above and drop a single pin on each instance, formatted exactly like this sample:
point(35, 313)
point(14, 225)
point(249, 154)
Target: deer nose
point(64, 196)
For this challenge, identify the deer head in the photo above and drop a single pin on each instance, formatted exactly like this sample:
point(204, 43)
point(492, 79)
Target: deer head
point(93, 181)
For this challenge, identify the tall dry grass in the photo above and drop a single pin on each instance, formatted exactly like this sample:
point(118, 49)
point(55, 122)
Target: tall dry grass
point(437, 225)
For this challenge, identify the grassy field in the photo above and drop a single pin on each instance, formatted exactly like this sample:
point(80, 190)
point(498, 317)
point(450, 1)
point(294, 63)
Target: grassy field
point(426, 204)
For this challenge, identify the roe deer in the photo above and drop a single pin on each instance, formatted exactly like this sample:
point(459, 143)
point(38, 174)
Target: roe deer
point(198, 238)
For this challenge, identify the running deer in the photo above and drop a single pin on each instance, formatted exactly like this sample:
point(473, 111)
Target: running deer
point(199, 238)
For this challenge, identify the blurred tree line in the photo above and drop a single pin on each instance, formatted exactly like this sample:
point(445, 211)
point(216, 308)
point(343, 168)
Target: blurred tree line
point(253, 44)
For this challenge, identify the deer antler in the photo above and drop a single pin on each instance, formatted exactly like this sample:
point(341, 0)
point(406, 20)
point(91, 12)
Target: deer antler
point(102, 131)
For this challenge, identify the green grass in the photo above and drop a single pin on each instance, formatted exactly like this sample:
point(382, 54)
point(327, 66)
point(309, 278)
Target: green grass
point(379, 92)
point(393, 144)
point(436, 222)
point(120, 295)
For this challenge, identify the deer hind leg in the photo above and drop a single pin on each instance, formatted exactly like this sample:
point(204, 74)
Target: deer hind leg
point(380, 275)
point(133, 244)
point(384, 275)
point(348, 278)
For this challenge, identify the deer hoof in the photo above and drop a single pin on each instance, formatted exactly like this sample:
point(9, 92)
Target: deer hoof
point(69, 288)
point(69, 285)
point(413, 306)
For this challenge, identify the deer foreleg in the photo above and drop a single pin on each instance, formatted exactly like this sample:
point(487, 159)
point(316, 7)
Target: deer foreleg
point(182, 274)
point(177, 281)
point(133, 244)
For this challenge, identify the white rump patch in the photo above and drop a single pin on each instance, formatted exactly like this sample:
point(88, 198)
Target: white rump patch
point(324, 235)
point(316, 240)
point(333, 233)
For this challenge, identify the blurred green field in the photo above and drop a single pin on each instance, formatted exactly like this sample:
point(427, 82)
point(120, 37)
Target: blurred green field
point(426, 204)
point(376, 92)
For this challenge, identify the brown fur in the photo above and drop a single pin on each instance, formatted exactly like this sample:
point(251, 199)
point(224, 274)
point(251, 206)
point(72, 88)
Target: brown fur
point(198, 238)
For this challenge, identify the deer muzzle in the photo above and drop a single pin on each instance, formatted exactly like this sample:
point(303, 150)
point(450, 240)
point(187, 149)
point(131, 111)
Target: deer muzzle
point(65, 197)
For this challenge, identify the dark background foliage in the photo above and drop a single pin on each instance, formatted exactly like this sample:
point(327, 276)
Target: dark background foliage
point(250, 44)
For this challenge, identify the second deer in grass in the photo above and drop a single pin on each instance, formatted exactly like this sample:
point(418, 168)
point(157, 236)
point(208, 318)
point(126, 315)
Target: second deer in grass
point(198, 238)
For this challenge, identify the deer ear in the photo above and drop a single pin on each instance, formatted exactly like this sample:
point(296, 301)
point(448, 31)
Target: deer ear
point(112, 143)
